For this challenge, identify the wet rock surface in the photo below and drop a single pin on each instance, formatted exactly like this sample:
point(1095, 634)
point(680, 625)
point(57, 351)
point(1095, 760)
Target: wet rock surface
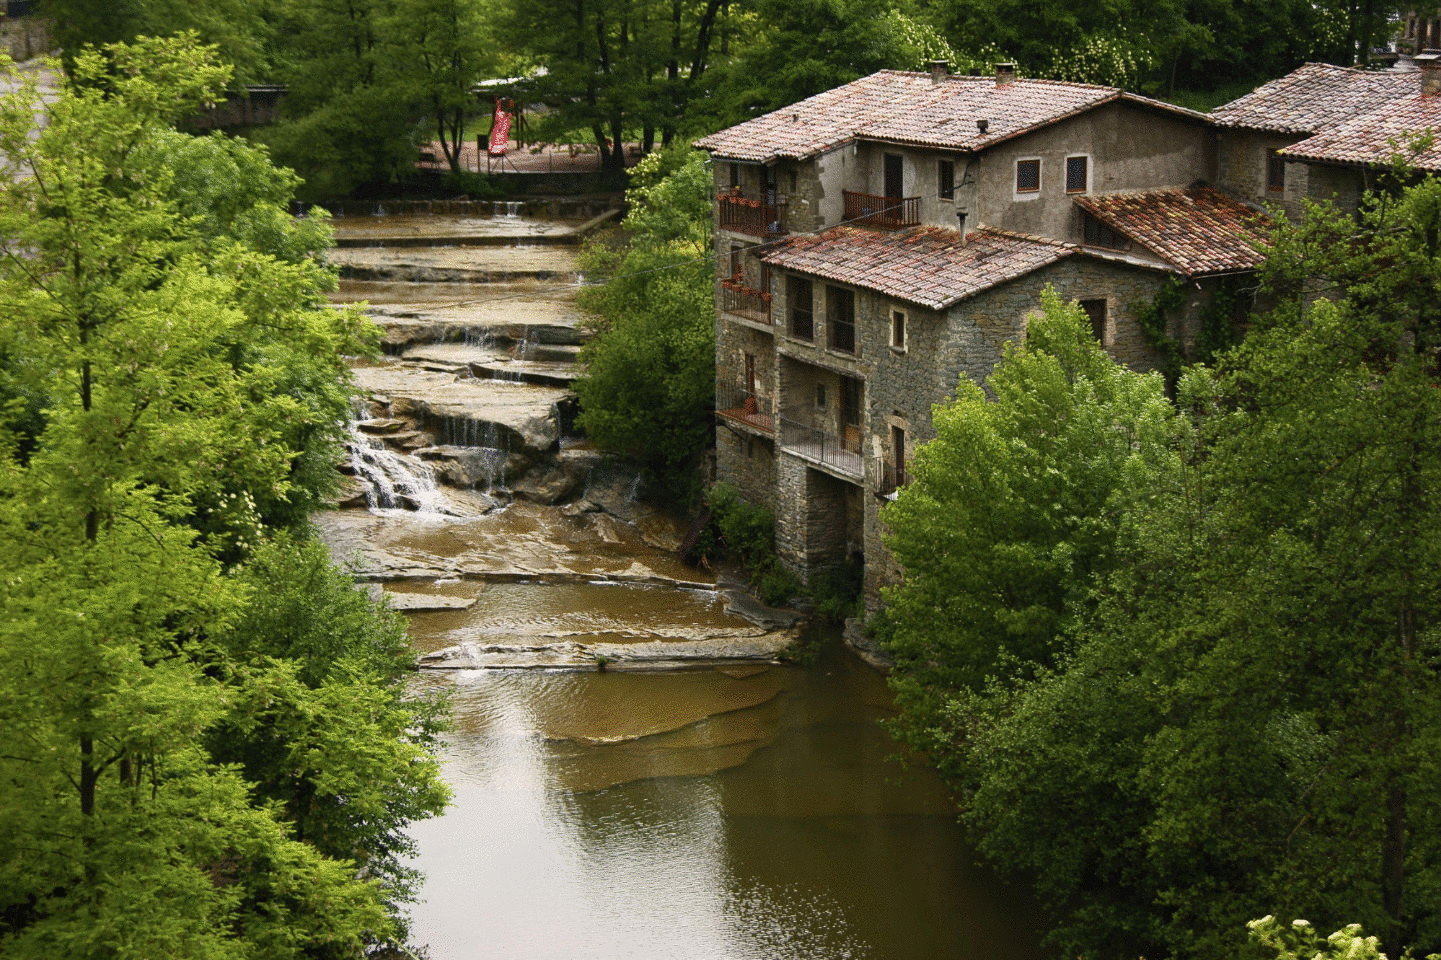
point(508, 544)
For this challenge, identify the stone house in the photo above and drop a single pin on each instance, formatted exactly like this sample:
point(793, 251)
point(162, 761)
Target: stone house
point(1323, 132)
point(880, 240)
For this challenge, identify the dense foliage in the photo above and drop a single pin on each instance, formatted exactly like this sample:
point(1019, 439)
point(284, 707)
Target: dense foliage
point(208, 749)
point(371, 81)
point(648, 390)
point(1240, 706)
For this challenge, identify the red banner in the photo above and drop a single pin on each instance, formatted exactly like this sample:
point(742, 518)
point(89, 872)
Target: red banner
point(500, 129)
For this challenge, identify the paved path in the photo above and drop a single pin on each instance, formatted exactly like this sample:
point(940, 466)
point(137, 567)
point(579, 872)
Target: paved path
point(532, 158)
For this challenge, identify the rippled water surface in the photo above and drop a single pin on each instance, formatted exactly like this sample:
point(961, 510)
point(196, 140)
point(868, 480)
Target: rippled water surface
point(756, 812)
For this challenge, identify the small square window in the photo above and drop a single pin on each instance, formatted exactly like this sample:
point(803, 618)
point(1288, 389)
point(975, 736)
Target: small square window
point(946, 180)
point(1076, 170)
point(898, 330)
point(1275, 172)
point(1028, 176)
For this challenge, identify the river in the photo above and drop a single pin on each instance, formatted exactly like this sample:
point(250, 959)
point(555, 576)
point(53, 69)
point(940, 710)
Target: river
point(698, 799)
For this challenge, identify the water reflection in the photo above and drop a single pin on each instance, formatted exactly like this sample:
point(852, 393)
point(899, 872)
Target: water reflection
point(753, 813)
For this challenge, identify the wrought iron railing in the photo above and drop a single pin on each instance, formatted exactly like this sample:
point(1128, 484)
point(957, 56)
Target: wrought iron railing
point(841, 452)
point(748, 215)
point(894, 476)
point(735, 402)
point(736, 297)
point(874, 211)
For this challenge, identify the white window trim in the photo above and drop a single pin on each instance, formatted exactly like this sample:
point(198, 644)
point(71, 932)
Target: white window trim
point(1019, 194)
point(1090, 166)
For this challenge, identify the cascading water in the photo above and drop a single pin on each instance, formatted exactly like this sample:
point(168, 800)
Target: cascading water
point(394, 480)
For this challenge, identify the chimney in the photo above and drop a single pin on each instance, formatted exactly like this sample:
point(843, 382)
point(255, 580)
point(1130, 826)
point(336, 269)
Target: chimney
point(961, 223)
point(940, 69)
point(1430, 64)
point(982, 126)
point(1005, 73)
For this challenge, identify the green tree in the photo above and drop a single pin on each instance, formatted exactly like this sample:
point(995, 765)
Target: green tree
point(1013, 513)
point(618, 69)
point(792, 50)
point(1251, 713)
point(351, 118)
point(443, 47)
point(145, 346)
point(649, 385)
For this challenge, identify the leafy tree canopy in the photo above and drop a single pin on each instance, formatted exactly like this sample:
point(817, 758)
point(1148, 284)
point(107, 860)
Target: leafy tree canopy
point(1246, 709)
point(648, 387)
point(174, 778)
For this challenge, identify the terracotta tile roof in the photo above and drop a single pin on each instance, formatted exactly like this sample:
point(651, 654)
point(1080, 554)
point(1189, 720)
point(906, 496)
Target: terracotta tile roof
point(1314, 96)
point(909, 108)
point(1372, 138)
point(926, 266)
point(1198, 230)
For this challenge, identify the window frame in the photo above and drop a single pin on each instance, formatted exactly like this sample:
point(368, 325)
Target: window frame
point(840, 318)
point(1016, 182)
point(794, 284)
point(1085, 187)
point(1275, 171)
point(899, 322)
point(1098, 311)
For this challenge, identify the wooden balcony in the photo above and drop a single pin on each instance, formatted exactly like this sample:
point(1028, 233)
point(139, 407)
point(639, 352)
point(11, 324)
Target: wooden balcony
point(889, 212)
point(840, 452)
point(734, 402)
point(748, 215)
point(748, 302)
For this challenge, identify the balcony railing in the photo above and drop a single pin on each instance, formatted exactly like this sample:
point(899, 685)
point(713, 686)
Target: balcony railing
point(753, 304)
point(734, 402)
point(894, 477)
point(889, 212)
point(747, 215)
point(841, 452)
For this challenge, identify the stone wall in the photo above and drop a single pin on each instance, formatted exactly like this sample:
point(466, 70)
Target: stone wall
point(26, 37)
point(748, 463)
point(1127, 148)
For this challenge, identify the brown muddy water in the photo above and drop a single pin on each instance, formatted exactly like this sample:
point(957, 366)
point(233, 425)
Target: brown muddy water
point(734, 809)
point(750, 813)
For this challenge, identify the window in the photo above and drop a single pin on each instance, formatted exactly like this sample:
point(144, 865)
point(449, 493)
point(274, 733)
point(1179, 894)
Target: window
point(798, 297)
point(1099, 235)
point(898, 330)
point(841, 319)
point(1096, 310)
point(1076, 175)
point(1028, 176)
point(894, 176)
point(793, 181)
point(898, 450)
point(735, 176)
point(736, 251)
point(850, 401)
point(946, 180)
point(820, 396)
point(1275, 172)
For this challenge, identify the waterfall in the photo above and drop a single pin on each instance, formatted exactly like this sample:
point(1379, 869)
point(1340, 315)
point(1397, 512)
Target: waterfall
point(394, 480)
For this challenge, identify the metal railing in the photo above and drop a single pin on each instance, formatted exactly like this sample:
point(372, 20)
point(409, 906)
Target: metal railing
point(894, 476)
point(874, 211)
point(736, 297)
point(841, 452)
point(748, 215)
point(735, 402)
